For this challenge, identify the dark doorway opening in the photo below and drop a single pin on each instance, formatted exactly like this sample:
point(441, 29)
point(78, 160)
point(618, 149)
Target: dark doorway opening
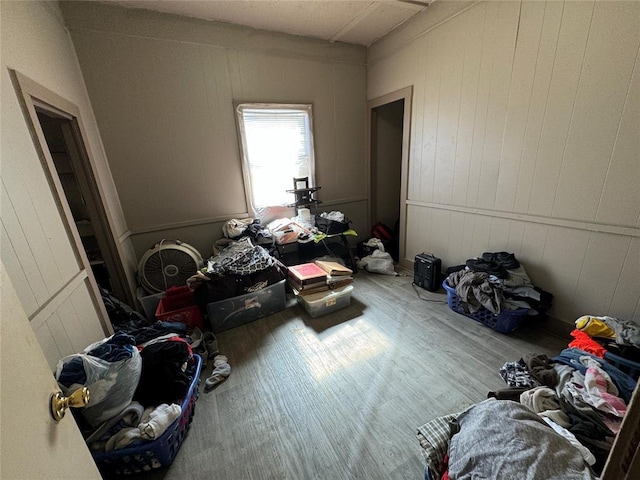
point(389, 127)
point(80, 195)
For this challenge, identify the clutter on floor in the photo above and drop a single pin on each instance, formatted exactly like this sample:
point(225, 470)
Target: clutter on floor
point(239, 284)
point(244, 280)
point(495, 290)
point(221, 371)
point(143, 384)
point(557, 417)
point(143, 381)
point(374, 255)
point(321, 287)
point(378, 262)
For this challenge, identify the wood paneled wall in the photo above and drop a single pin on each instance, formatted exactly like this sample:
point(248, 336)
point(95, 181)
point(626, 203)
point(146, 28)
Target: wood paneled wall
point(163, 88)
point(35, 247)
point(525, 137)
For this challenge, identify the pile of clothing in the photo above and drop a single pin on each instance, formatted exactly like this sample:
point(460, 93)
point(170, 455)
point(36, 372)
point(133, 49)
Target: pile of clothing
point(602, 336)
point(252, 228)
point(495, 439)
point(497, 281)
point(147, 400)
point(557, 418)
point(236, 268)
point(111, 370)
point(578, 393)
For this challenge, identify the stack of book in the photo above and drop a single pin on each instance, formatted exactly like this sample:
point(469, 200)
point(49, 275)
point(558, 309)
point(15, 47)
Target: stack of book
point(337, 275)
point(318, 276)
point(307, 278)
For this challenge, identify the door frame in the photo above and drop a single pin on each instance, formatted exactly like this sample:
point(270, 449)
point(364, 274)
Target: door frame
point(405, 94)
point(33, 98)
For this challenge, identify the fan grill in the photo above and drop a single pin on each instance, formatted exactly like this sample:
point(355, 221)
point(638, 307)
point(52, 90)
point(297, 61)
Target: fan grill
point(168, 265)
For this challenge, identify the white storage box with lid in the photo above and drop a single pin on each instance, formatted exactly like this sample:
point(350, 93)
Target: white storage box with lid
point(246, 308)
point(149, 302)
point(322, 303)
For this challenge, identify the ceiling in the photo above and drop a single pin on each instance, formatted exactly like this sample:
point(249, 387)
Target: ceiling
point(361, 22)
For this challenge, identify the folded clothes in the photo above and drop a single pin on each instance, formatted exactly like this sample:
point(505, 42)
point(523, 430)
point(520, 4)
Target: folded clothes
point(487, 266)
point(156, 420)
point(507, 260)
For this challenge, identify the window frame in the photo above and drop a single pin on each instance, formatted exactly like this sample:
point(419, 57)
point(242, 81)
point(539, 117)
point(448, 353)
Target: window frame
point(239, 107)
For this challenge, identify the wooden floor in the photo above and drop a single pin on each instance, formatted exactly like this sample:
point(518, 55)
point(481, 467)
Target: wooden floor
point(341, 396)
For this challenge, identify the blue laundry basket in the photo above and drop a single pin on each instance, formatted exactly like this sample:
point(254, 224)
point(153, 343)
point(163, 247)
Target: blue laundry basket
point(146, 456)
point(506, 322)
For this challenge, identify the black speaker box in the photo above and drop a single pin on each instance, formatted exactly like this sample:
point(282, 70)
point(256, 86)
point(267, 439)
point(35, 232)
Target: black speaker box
point(427, 271)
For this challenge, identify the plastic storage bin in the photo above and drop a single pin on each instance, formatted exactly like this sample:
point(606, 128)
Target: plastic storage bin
point(178, 305)
point(629, 367)
point(148, 302)
point(507, 321)
point(322, 303)
point(144, 456)
point(236, 311)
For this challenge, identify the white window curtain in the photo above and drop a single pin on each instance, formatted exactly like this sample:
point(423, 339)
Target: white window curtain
point(277, 146)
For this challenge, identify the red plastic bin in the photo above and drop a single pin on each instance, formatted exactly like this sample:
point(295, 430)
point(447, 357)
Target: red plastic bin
point(178, 305)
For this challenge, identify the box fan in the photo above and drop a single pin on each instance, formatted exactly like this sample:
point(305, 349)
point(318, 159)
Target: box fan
point(168, 264)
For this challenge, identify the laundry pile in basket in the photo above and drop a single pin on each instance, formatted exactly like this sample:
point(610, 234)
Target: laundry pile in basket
point(495, 290)
point(142, 389)
point(496, 281)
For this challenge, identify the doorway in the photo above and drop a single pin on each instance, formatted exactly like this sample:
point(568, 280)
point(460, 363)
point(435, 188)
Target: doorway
point(58, 134)
point(65, 154)
point(389, 126)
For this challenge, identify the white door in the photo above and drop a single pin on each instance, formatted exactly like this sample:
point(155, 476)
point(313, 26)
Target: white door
point(34, 446)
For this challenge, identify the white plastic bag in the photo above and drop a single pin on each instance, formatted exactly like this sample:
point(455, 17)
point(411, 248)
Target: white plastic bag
point(375, 243)
point(378, 262)
point(111, 384)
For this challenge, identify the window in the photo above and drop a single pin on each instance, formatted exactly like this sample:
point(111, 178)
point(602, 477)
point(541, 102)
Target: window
point(277, 146)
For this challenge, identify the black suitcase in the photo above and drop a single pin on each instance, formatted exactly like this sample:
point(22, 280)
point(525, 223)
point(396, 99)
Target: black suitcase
point(427, 271)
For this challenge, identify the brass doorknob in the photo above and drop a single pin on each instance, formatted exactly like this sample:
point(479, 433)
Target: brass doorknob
point(60, 403)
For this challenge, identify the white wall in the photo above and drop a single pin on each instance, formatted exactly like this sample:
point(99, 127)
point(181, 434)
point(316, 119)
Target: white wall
point(163, 88)
point(34, 246)
point(525, 137)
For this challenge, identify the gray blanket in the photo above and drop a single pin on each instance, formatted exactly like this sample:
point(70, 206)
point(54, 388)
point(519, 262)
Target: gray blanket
point(500, 439)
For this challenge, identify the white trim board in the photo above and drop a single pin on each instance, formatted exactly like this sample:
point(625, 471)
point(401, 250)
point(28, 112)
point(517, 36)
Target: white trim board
point(559, 222)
